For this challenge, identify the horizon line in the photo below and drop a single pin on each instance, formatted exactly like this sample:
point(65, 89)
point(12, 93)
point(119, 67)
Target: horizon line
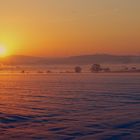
point(111, 54)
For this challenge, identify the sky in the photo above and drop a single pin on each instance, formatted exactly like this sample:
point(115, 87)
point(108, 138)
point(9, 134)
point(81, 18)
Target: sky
point(70, 27)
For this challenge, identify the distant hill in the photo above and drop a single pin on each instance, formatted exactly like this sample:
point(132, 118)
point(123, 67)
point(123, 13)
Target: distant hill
point(81, 60)
point(105, 58)
point(21, 60)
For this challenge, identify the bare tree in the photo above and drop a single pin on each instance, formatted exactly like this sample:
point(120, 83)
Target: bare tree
point(96, 68)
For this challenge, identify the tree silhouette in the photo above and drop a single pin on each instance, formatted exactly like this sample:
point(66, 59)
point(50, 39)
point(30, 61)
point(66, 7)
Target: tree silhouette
point(78, 69)
point(96, 68)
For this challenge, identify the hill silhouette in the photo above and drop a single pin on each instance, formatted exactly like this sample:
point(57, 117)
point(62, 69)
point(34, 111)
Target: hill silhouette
point(82, 59)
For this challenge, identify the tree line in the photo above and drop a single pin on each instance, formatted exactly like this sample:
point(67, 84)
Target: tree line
point(94, 68)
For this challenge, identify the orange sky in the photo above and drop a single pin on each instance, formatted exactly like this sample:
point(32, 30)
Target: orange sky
point(62, 27)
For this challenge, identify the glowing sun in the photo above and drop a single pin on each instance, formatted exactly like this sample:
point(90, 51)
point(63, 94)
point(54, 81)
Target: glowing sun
point(3, 51)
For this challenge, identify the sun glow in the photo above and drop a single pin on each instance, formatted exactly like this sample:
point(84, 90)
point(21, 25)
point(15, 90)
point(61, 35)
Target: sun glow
point(3, 51)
